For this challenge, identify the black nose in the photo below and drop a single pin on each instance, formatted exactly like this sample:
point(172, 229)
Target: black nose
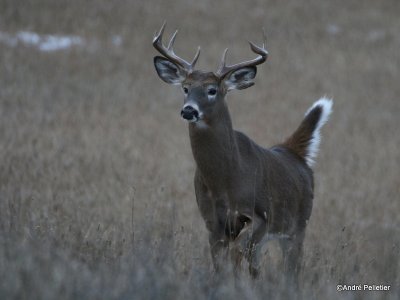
point(189, 112)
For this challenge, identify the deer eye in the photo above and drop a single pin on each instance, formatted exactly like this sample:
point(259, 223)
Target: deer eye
point(185, 90)
point(212, 91)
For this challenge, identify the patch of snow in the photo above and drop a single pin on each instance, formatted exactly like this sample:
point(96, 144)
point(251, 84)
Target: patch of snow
point(54, 42)
point(29, 38)
point(333, 29)
point(49, 43)
point(116, 40)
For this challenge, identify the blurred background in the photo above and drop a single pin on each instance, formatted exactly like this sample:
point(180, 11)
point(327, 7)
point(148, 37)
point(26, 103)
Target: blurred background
point(96, 177)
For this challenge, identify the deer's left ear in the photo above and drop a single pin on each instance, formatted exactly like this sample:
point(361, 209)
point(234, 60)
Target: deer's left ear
point(240, 79)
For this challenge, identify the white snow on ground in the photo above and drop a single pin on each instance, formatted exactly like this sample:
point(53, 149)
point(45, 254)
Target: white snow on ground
point(49, 43)
point(117, 40)
point(53, 43)
point(333, 29)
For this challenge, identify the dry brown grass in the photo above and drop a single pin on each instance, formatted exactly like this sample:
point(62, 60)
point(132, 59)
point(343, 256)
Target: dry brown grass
point(96, 193)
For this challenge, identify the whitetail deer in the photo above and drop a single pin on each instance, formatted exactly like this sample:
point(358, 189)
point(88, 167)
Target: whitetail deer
point(246, 194)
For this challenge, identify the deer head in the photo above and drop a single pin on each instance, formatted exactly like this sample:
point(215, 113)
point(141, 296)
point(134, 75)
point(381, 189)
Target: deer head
point(204, 92)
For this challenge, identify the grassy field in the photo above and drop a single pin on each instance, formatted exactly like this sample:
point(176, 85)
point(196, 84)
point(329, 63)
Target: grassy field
point(96, 177)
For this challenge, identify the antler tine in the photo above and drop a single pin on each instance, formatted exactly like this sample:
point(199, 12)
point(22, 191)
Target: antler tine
point(264, 38)
point(262, 57)
point(172, 41)
point(168, 51)
point(222, 65)
point(158, 36)
point(196, 57)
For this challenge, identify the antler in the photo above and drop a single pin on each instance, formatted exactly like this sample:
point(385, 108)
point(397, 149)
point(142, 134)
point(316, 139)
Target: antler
point(262, 51)
point(168, 51)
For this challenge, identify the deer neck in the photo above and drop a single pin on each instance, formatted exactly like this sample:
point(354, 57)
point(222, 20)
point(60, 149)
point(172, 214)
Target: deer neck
point(215, 148)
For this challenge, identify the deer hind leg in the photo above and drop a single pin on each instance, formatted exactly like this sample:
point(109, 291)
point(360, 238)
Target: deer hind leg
point(239, 246)
point(219, 251)
point(246, 245)
point(253, 257)
point(292, 249)
point(254, 247)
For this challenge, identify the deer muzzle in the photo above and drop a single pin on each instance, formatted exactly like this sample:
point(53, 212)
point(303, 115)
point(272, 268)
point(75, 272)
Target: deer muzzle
point(190, 113)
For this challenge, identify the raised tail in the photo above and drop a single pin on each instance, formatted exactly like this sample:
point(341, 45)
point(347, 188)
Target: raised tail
point(306, 139)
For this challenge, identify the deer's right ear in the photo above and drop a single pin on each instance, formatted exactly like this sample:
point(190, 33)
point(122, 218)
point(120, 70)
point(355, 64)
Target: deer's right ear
point(168, 71)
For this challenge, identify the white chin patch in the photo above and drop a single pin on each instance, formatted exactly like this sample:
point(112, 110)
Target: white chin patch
point(200, 124)
point(193, 120)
